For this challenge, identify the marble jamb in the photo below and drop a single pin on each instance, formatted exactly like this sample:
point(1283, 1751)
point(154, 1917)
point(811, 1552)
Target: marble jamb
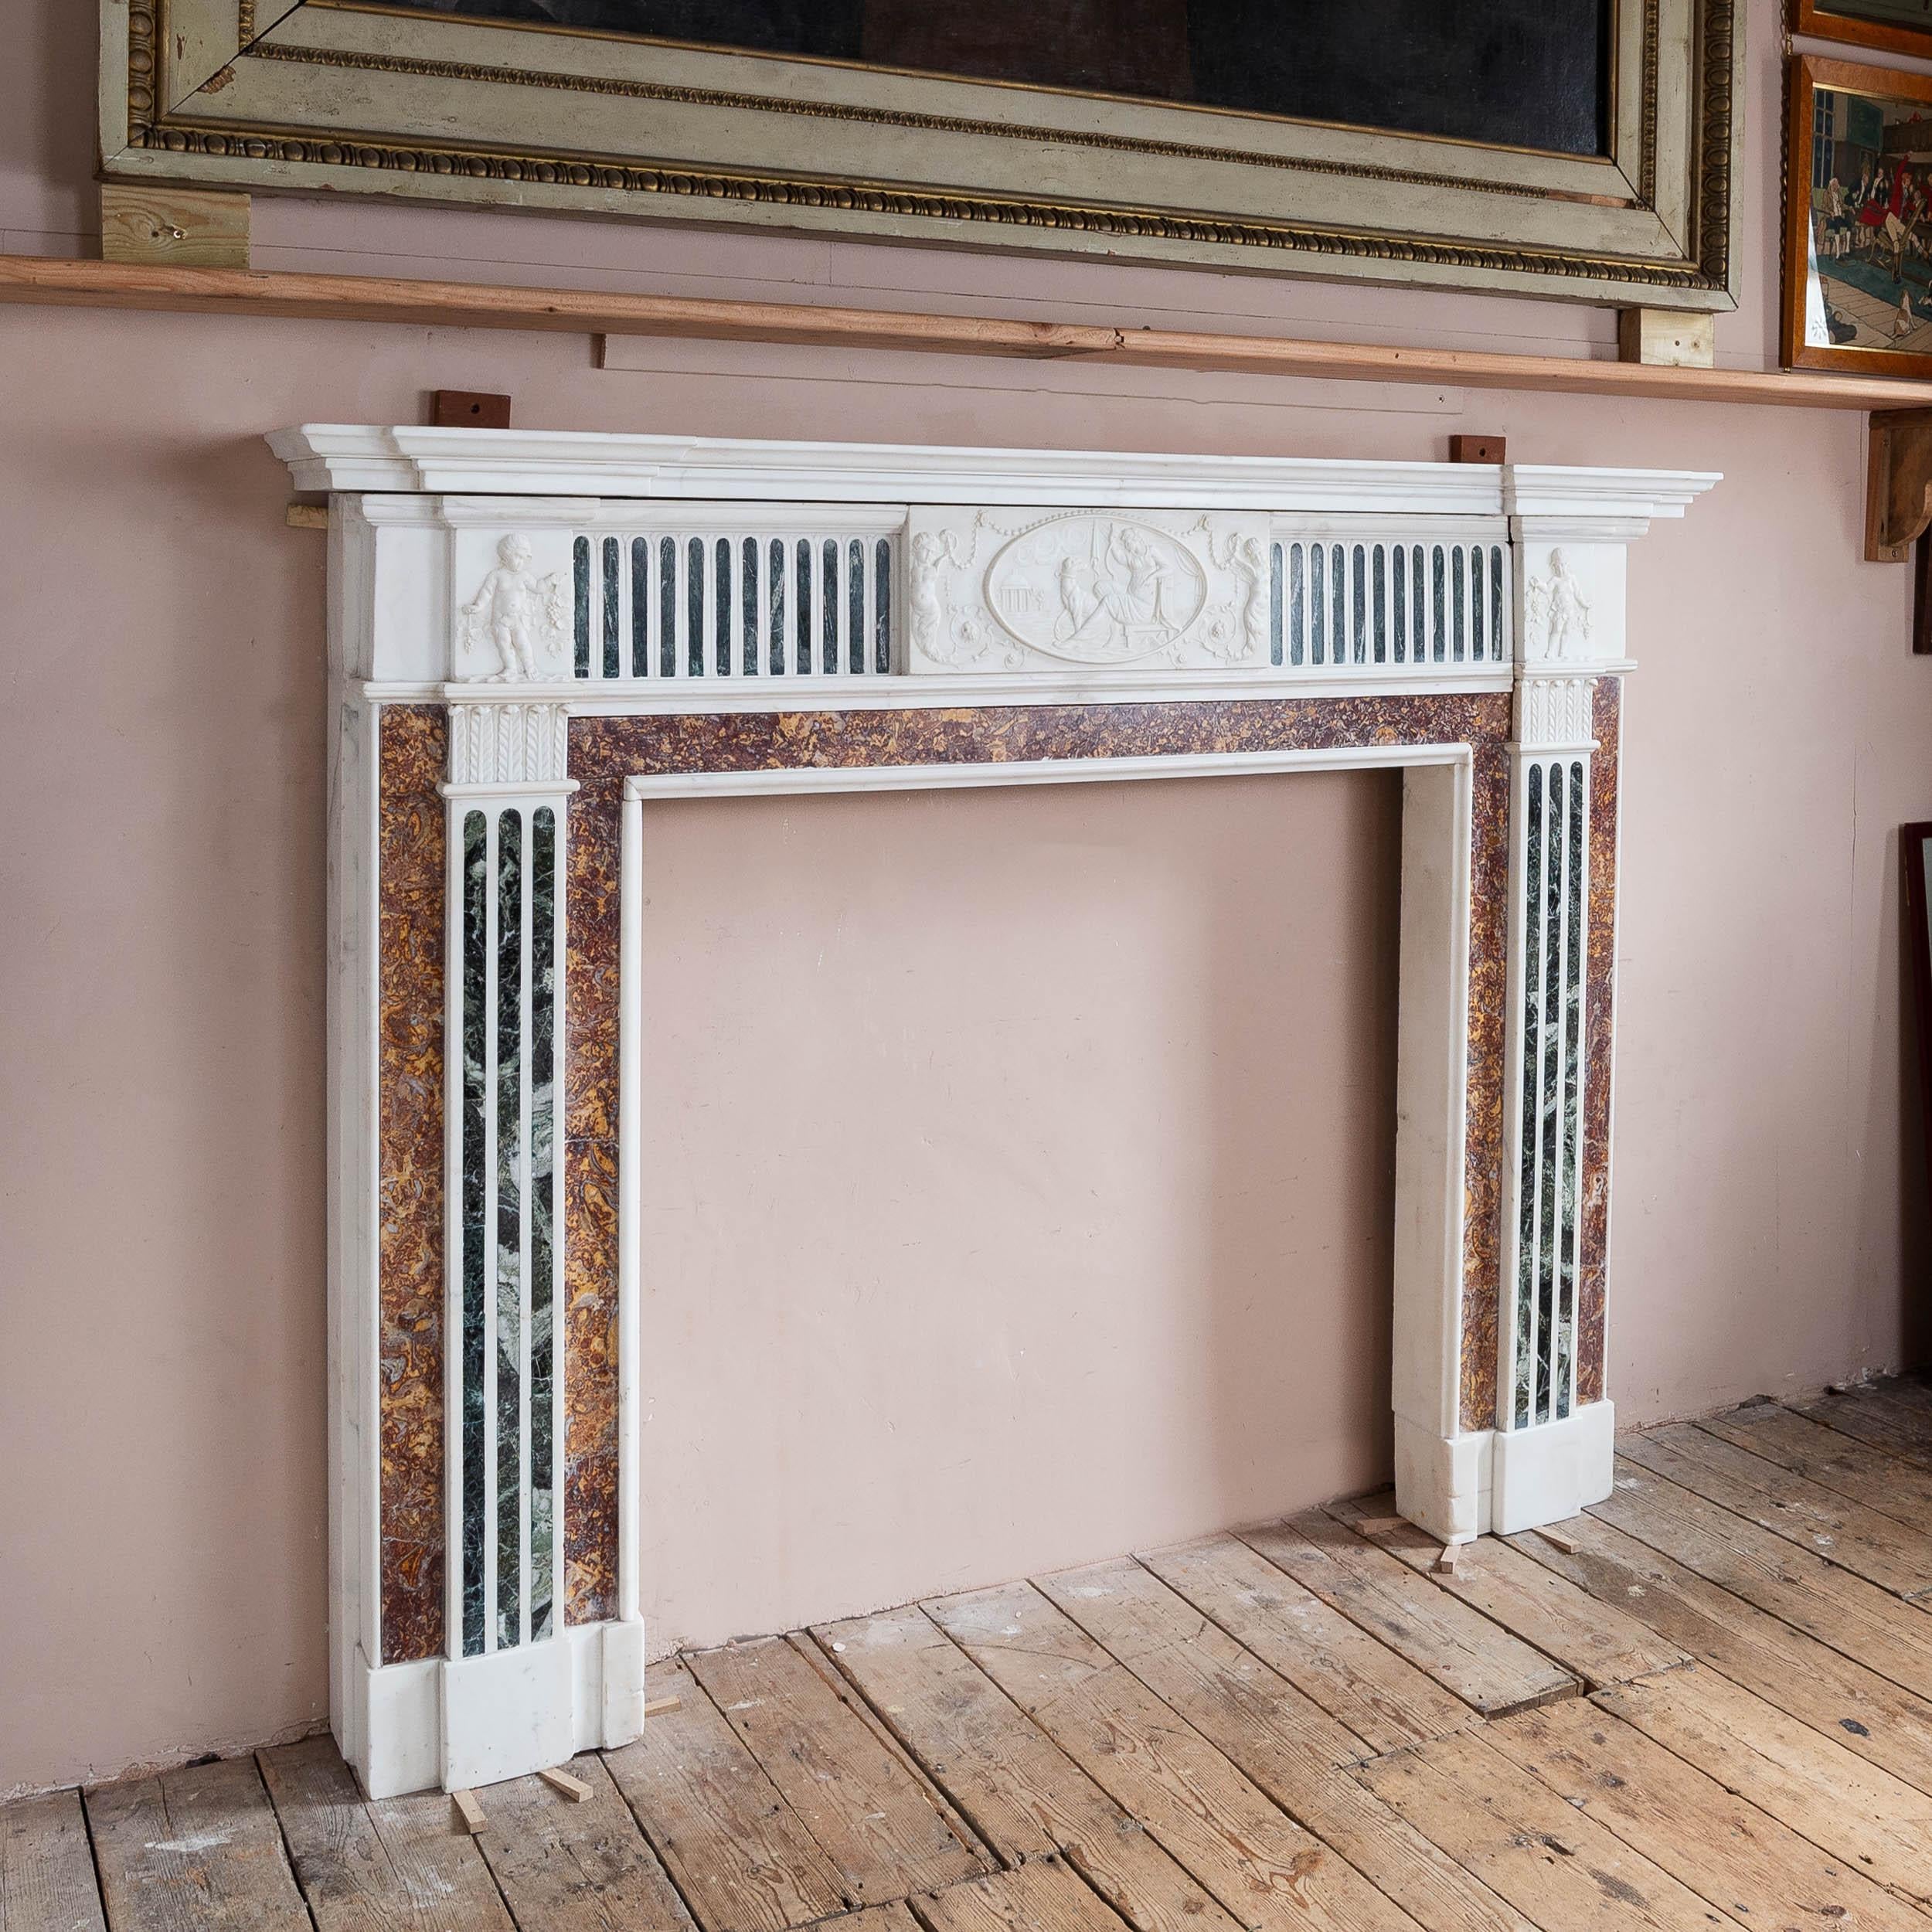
point(475, 1249)
point(604, 751)
point(411, 834)
point(542, 1213)
point(1599, 1021)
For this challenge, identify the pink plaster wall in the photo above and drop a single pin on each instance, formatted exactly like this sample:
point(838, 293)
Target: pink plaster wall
point(161, 1400)
point(1019, 1180)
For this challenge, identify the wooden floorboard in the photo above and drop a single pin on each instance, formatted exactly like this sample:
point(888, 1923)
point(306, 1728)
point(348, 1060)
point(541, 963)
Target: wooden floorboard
point(894, 1916)
point(1045, 1895)
point(1023, 1794)
point(1789, 1671)
point(1482, 1664)
point(567, 1865)
point(743, 1859)
point(47, 1867)
point(1882, 1481)
point(1602, 1643)
point(1912, 1393)
point(1877, 1823)
point(1562, 1871)
point(401, 1863)
point(199, 1847)
point(1706, 1703)
point(1355, 1678)
point(1876, 1417)
point(1272, 1732)
point(808, 1646)
point(1854, 1618)
point(858, 1799)
point(1817, 1520)
point(1264, 1868)
point(1734, 1856)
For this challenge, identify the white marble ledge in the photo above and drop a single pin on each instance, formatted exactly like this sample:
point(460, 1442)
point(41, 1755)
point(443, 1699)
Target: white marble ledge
point(351, 457)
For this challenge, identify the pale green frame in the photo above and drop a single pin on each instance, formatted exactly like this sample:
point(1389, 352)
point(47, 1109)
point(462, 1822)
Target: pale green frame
point(347, 96)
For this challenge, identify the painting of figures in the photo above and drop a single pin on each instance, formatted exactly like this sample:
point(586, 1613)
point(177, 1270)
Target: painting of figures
point(1859, 220)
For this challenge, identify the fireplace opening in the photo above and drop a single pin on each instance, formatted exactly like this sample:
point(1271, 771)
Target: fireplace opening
point(1016, 1180)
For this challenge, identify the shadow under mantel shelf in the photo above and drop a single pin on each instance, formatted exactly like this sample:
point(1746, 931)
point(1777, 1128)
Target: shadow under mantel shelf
point(1899, 484)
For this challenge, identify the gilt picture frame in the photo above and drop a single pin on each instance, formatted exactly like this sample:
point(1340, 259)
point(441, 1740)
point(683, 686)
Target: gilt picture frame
point(1882, 26)
point(398, 100)
point(1915, 858)
point(1858, 219)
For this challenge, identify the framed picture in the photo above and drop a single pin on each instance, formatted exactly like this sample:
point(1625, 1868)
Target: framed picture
point(1885, 26)
point(1581, 148)
point(1915, 851)
point(1858, 219)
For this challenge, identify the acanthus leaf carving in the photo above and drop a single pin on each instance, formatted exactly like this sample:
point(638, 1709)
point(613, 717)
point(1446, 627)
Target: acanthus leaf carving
point(1555, 710)
point(509, 744)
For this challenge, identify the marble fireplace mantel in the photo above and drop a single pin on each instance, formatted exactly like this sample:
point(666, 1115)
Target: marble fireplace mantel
point(535, 636)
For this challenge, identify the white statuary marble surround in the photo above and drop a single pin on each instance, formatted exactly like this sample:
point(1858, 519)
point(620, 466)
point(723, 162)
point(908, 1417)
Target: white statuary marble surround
point(521, 578)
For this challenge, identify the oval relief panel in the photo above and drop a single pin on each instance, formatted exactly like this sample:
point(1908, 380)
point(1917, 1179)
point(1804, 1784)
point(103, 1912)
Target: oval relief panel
point(1095, 589)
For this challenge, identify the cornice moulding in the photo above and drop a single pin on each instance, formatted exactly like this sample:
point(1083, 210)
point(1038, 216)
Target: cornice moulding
point(357, 458)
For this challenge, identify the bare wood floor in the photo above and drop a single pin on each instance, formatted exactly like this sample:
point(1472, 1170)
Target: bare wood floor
point(1705, 1706)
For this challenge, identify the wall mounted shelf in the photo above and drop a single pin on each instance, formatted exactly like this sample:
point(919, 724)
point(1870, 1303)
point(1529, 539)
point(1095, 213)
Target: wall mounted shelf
point(1900, 446)
point(232, 291)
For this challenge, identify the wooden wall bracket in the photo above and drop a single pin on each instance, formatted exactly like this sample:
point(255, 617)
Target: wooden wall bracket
point(1898, 506)
point(173, 227)
point(1898, 484)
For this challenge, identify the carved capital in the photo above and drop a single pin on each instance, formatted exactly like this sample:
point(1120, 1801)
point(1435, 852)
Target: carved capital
point(1554, 712)
point(525, 745)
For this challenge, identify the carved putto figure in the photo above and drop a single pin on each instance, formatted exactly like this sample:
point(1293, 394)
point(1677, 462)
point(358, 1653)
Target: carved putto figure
point(1248, 562)
point(521, 614)
point(928, 611)
point(1557, 607)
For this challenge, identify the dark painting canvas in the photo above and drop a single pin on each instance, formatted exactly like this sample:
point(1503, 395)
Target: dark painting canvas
point(1524, 74)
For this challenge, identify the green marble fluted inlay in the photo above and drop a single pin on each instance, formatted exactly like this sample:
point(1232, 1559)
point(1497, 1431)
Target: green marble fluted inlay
point(580, 586)
point(749, 554)
point(802, 607)
point(1548, 1086)
point(855, 604)
point(476, 876)
point(1532, 1082)
point(509, 1228)
point(543, 1312)
point(1555, 806)
point(1276, 604)
point(511, 1326)
point(611, 614)
point(775, 572)
point(1569, 1217)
